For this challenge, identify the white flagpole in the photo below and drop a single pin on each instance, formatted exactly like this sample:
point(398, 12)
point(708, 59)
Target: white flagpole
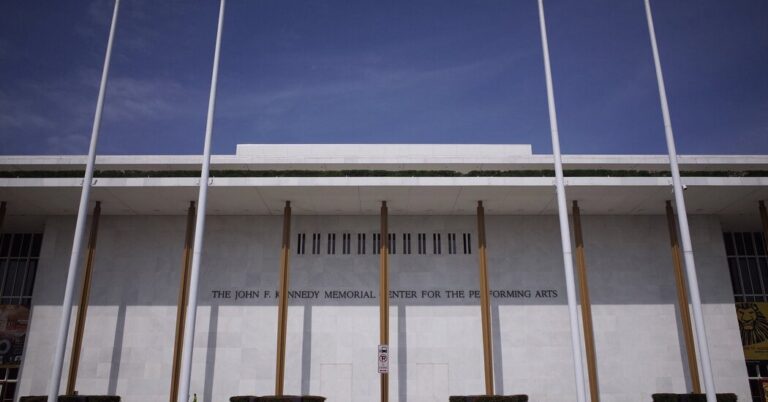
point(682, 219)
point(82, 214)
point(189, 327)
point(565, 230)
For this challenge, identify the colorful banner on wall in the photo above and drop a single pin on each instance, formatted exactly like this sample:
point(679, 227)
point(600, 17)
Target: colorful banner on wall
point(764, 389)
point(13, 332)
point(753, 326)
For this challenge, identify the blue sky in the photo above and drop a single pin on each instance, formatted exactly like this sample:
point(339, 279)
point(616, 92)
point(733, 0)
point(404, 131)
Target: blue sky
point(448, 71)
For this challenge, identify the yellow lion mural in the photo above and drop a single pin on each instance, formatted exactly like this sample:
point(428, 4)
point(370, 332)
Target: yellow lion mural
point(752, 323)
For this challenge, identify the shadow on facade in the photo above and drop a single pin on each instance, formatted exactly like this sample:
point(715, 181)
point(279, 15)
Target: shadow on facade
point(117, 350)
point(210, 356)
point(306, 350)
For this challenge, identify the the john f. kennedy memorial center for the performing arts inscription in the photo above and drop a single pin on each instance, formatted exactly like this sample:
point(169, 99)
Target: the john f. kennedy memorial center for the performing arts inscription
point(428, 294)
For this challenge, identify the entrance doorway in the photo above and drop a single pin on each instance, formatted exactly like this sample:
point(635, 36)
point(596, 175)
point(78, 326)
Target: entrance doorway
point(748, 266)
point(19, 255)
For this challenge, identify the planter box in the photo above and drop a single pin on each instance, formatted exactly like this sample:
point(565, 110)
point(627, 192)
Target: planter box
point(244, 398)
point(691, 398)
point(489, 398)
point(703, 398)
point(292, 398)
point(73, 398)
point(103, 398)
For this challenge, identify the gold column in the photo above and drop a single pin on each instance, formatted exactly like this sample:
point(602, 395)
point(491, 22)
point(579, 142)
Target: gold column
point(485, 308)
point(586, 305)
point(82, 309)
point(282, 310)
point(181, 305)
point(2, 214)
point(384, 293)
point(682, 300)
point(763, 217)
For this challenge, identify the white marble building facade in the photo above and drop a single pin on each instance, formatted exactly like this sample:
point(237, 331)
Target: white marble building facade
point(435, 332)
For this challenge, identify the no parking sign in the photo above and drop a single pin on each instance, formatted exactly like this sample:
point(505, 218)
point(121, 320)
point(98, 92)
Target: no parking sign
point(383, 359)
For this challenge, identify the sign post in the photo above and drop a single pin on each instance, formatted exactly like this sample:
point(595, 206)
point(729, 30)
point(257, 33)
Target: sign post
point(383, 359)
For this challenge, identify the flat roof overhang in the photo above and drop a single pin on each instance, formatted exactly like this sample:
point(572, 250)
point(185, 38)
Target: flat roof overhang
point(323, 162)
point(727, 196)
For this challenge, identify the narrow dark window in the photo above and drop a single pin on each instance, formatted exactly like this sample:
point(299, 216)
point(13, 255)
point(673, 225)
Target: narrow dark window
point(747, 265)
point(451, 243)
point(345, 243)
point(392, 244)
point(422, 243)
point(361, 243)
point(376, 243)
point(749, 244)
point(301, 243)
point(436, 246)
point(467, 243)
point(315, 243)
point(739, 239)
point(19, 253)
point(331, 243)
point(406, 243)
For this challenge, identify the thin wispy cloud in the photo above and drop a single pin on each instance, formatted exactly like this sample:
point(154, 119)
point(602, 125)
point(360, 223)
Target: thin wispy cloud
point(146, 99)
point(67, 144)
